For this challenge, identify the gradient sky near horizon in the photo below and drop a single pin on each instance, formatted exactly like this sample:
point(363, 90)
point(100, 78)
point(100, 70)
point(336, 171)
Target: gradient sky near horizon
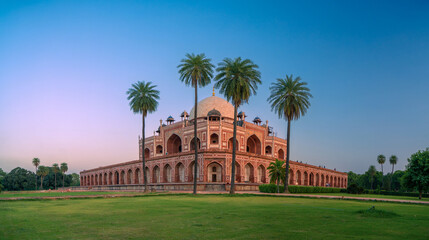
point(65, 67)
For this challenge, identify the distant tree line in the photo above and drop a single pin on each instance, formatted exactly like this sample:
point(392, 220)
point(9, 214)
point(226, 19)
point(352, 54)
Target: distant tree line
point(21, 179)
point(415, 178)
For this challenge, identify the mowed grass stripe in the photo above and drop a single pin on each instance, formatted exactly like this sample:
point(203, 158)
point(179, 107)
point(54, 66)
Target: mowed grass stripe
point(209, 217)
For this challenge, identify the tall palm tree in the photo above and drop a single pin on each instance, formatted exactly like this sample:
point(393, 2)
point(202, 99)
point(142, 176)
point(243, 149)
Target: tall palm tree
point(143, 99)
point(393, 160)
point(64, 168)
point(381, 159)
point(196, 71)
point(290, 100)
point(42, 172)
point(372, 171)
point(36, 163)
point(276, 172)
point(237, 80)
point(55, 169)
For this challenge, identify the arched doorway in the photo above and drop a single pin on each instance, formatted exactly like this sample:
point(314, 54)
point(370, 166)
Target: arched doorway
point(281, 154)
point(311, 179)
point(214, 172)
point(317, 179)
point(147, 175)
point(100, 179)
point(268, 150)
point(116, 178)
point(110, 178)
point(261, 174)
point(322, 182)
point(105, 178)
point(237, 172)
point(174, 144)
point(191, 171)
point(129, 176)
point(230, 143)
point(159, 149)
point(146, 153)
point(248, 173)
point(298, 177)
point(137, 176)
point(253, 145)
point(214, 138)
point(180, 172)
point(122, 179)
point(167, 173)
point(156, 175)
point(305, 179)
point(331, 182)
point(192, 144)
point(292, 180)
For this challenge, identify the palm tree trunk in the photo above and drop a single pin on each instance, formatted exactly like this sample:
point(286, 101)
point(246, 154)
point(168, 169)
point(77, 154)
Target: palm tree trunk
point(143, 159)
point(278, 184)
point(41, 182)
point(55, 180)
point(234, 146)
point(287, 157)
point(36, 177)
point(63, 178)
point(195, 139)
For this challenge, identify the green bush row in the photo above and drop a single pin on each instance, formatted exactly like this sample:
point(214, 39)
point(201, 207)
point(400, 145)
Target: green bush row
point(272, 188)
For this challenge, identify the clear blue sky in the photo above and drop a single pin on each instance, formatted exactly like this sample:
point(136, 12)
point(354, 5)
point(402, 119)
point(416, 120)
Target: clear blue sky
point(65, 67)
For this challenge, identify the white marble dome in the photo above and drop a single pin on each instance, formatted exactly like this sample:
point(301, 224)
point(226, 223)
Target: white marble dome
point(225, 108)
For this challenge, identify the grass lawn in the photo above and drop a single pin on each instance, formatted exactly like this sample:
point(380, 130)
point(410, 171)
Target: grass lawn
point(211, 217)
point(369, 196)
point(56, 194)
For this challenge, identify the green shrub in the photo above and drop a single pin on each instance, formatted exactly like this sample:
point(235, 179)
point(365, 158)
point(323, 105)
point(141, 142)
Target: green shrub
point(272, 188)
point(355, 189)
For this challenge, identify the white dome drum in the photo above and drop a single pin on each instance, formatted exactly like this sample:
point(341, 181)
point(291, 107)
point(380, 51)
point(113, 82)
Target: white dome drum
point(225, 108)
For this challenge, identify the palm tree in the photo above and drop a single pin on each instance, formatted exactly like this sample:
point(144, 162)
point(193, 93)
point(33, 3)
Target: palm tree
point(237, 80)
point(290, 100)
point(393, 160)
point(42, 172)
point(36, 163)
point(277, 172)
point(196, 71)
point(143, 100)
point(372, 171)
point(381, 159)
point(55, 169)
point(64, 169)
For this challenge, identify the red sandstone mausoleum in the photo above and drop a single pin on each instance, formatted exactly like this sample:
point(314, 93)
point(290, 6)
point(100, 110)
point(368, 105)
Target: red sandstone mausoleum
point(169, 155)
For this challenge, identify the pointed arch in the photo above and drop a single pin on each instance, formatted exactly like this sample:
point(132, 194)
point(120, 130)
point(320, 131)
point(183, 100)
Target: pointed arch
point(174, 144)
point(146, 153)
point(214, 172)
point(137, 176)
point(167, 173)
point(253, 145)
point(156, 178)
point(214, 138)
point(180, 172)
point(192, 144)
point(268, 150)
point(281, 154)
point(230, 143)
point(261, 174)
point(249, 173)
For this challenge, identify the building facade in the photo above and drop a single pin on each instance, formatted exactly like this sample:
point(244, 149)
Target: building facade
point(170, 153)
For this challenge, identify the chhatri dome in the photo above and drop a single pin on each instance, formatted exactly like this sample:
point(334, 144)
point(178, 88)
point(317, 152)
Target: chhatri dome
point(213, 102)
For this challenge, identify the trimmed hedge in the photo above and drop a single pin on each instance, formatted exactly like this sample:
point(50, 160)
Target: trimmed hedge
point(272, 188)
point(408, 194)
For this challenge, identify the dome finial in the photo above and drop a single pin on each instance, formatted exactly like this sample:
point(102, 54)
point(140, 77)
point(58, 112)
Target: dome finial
point(213, 91)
